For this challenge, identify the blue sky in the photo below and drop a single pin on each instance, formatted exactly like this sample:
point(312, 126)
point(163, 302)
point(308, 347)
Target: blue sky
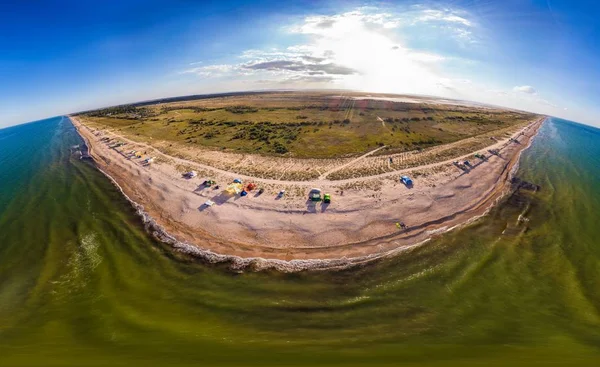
point(66, 56)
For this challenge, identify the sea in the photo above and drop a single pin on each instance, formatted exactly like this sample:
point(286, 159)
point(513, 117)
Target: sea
point(83, 284)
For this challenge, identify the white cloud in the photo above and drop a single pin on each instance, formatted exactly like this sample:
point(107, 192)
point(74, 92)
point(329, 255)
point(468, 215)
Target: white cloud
point(367, 49)
point(449, 16)
point(356, 50)
point(211, 70)
point(525, 89)
point(333, 24)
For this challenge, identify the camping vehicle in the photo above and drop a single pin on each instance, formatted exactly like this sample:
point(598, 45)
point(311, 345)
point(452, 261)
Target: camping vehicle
point(406, 180)
point(190, 174)
point(327, 198)
point(315, 194)
point(401, 225)
point(260, 191)
point(467, 163)
point(460, 165)
point(480, 156)
point(281, 193)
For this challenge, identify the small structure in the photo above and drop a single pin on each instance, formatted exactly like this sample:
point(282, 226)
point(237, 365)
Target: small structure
point(327, 198)
point(406, 180)
point(251, 186)
point(209, 203)
point(462, 166)
point(190, 174)
point(244, 193)
point(401, 225)
point(237, 180)
point(314, 194)
point(234, 188)
point(281, 193)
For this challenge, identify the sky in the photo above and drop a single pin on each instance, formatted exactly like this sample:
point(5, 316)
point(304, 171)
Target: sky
point(59, 57)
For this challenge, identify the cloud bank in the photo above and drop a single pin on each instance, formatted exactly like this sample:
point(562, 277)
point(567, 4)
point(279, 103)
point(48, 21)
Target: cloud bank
point(375, 50)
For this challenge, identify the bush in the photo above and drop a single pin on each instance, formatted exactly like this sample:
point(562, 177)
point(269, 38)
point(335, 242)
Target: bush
point(280, 148)
point(240, 109)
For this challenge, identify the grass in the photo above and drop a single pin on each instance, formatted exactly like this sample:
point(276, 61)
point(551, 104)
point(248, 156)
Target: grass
point(304, 125)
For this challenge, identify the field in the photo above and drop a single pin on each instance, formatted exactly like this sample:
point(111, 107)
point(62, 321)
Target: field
point(307, 125)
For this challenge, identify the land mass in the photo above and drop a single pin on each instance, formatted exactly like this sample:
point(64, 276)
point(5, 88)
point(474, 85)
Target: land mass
point(354, 147)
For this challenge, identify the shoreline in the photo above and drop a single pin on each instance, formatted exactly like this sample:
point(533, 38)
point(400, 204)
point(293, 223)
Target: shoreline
point(390, 244)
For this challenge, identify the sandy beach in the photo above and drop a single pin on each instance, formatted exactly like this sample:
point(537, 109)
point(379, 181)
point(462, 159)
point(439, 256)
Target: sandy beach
point(291, 232)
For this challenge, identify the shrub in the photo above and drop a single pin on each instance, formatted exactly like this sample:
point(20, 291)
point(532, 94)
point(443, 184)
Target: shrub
point(280, 148)
point(240, 109)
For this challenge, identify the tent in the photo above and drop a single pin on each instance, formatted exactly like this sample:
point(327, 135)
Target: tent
point(234, 188)
point(237, 180)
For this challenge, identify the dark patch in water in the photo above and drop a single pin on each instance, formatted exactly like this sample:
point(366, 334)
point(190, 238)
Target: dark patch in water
point(518, 183)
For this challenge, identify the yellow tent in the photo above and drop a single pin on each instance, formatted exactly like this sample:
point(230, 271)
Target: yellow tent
point(234, 188)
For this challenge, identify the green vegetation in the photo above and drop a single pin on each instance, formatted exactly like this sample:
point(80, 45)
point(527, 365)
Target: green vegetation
point(303, 125)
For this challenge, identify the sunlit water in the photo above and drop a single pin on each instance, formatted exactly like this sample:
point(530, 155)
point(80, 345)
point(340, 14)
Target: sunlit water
point(81, 283)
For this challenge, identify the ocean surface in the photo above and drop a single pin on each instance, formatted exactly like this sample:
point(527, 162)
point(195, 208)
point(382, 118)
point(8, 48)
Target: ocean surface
point(82, 283)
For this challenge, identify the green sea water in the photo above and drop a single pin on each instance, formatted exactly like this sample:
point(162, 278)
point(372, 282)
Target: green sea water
point(83, 284)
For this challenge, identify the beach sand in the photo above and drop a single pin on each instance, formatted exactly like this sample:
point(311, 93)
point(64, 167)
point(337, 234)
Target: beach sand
point(292, 233)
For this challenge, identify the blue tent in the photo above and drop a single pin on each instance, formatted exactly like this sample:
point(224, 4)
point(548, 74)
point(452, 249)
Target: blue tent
point(237, 180)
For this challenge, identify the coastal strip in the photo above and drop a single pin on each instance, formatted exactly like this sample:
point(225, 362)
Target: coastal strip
point(373, 239)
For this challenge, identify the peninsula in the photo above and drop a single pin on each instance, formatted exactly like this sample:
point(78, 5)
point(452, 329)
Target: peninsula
point(299, 180)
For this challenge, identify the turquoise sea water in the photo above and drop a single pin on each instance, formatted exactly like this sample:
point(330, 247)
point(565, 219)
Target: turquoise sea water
point(82, 283)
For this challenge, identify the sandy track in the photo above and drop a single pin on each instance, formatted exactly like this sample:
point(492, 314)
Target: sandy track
point(324, 175)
